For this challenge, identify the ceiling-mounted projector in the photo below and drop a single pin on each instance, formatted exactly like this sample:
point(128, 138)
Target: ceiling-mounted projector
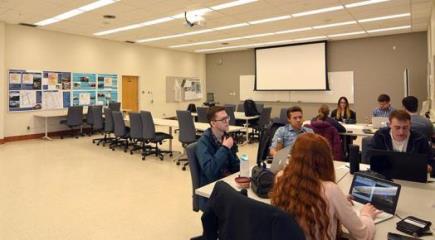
point(194, 19)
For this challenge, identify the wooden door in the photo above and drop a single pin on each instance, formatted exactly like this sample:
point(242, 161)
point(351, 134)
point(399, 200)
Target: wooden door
point(130, 91)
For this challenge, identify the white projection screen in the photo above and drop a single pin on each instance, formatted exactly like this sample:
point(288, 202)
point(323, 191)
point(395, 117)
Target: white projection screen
point(292, 67)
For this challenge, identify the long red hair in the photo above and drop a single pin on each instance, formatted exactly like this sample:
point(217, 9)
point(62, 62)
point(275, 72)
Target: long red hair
point(299, 191)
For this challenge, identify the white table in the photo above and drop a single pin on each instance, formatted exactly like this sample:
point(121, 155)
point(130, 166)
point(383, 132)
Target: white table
point(416, 199)
point(50, 114)
point(357, 129)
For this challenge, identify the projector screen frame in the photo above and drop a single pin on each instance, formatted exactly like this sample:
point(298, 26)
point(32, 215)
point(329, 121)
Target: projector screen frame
point(294, 44)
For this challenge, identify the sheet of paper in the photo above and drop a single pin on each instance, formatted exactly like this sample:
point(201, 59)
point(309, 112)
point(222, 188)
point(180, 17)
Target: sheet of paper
point(27, 98)
point(27, 78)
point(107, 82)
point(52, 100)
point(85, 99)
point(15, 78)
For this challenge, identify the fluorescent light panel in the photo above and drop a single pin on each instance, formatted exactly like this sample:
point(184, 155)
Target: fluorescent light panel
point(231, 26)
point(75, 12)
point(363, 3)
point(346, 34)
point(272, 19)
point(232, 4)
point(388, 29)
point(384, 17)
point(334, 25)
point(317, 11)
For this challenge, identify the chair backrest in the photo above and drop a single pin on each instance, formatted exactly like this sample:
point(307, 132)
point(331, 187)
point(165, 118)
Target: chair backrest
point(266, 136)
point(186, 125)
point(108, 120)
point(283, 116)
point(260, 107)
point(364, 149)
point(75, 116)
point(136, 130)
point(233, 106)
point(195, 172)
point(118, 124)
point(202, 114)
point(90, 114)
point(191, 107)
point(230, 113)
point(115, 106)
point(97, 117)
point(250, 108)
point(148, 127)
point(240, 107)
point(264, 117)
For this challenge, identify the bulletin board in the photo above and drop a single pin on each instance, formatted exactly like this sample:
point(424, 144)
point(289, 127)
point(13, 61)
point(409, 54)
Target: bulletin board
point(25, 90)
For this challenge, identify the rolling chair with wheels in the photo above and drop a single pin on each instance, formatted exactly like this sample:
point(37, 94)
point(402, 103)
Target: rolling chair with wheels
point(202, 114)
point(107, 129)
point(74, 119)
point(187, 134)
point(150, 135)
point(136, 132)
point(122, 133)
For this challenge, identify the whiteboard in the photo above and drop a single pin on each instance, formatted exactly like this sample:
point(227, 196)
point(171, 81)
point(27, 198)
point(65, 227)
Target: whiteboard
point(340, 84)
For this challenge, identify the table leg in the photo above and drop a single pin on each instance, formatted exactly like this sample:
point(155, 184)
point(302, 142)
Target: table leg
point(170, 140)
point(46, 137)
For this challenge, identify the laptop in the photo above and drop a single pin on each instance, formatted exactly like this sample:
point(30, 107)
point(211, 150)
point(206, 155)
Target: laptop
point(399, 165)
point(280, 160)
point(379, 122)
point(382, 194)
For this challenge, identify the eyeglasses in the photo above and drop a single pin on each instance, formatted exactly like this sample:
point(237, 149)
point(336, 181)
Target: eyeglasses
point(225, 119)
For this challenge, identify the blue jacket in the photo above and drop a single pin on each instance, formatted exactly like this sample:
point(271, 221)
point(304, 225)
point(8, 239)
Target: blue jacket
point(215, 160)
point(417, 143)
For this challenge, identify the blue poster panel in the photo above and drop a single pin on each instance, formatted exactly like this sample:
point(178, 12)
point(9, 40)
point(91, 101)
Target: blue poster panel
point(84, 98)
point(84, 81)
point(107, 81)
point(104, 97)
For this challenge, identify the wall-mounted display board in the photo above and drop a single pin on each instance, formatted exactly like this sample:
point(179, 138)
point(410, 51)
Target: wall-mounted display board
point(179, 89)
point(25, 90)
point(47, 90)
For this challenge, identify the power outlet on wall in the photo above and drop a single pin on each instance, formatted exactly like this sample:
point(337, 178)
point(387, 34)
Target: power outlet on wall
point(28, 127)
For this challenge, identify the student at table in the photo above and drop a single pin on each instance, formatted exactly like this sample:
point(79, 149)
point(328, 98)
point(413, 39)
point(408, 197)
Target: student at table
point(307, 190)
point(286, 135)
point(343, 113)
point(384, 109)
point(400, 137)
point(418, 123)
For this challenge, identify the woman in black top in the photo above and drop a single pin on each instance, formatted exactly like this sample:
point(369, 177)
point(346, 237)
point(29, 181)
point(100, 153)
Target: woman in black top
point(343, 112)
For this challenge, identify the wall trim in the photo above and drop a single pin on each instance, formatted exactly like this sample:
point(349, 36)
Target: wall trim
point(38, 136)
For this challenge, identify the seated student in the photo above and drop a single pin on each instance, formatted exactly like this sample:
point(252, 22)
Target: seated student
point(307, 190)
point(343, 113)
point(418, 123)
point(323, 125)
point(324, 113)
point(286, 135)
point(215, 151)
point(400, 137)
point(384, 108)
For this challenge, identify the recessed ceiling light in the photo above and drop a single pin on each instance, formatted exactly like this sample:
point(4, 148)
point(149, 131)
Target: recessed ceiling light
point(384, 17)
point(334, 25)
point(272, 19)
point(359, 4)
point(317, 11)
point(388, 29)
point(231, 26)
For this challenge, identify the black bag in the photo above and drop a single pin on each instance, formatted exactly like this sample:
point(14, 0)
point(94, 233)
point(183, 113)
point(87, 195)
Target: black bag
point(262, 180)
point(191, 107)
point(250, 108)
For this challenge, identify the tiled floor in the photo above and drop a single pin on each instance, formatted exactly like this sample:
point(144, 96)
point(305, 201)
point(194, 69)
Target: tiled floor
point(73, 189)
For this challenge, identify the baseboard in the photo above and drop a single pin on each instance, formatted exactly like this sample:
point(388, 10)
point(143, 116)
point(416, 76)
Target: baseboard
point(38, 135)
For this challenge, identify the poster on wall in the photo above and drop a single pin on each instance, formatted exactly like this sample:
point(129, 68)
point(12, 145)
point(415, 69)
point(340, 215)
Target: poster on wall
point(53, 80)
point(104, 97)
point(24, 100)
point(84, 81)
point(107, 81)
point(84, 98)
point(24, 80)
point(24, 90)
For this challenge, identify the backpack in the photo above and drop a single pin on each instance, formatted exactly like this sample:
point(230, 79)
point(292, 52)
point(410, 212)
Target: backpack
point(250, 108)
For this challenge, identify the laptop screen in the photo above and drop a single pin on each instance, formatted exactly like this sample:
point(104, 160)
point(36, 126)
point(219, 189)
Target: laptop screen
point(383, 194)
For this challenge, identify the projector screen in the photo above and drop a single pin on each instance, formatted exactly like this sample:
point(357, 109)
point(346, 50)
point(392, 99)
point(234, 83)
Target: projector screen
point(291, 67)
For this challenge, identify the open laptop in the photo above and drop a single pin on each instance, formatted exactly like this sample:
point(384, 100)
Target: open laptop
point(280, 160)
point(399, 165)
point(382, 194)
point(379, 122)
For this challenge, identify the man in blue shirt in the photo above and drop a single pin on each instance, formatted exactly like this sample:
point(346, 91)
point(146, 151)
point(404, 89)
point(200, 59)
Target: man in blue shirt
point(286, 135)
point(384, 108)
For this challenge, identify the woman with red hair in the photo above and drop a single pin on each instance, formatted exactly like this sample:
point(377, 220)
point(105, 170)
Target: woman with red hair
point(307, 190)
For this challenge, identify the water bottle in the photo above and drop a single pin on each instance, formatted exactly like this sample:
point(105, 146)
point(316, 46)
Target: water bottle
point(244, 165)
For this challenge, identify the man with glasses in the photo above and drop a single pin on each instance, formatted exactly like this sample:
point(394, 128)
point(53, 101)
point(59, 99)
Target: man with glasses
point(216, 151)
point(399, 137)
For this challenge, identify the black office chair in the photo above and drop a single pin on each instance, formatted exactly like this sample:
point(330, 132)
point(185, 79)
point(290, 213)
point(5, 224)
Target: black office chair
point(195, 173)
point(231, 215)
point(136, 132)
point(282, 117)
point(150, 135)
point(202, 114)
point(94, 118)
point(240, 107)
point(107, 129)
point(187, 134)
point(232, 106)
point(260, 124)
point(115, 106)
point(74, 119)
point(122, 133)
point(260, 107)
point(364, 149)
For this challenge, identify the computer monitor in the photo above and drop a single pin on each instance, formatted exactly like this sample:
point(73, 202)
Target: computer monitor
point(399, 165)
point(210, 97)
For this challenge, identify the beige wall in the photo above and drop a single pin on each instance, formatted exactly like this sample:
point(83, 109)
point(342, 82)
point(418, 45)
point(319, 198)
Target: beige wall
point(3, 101)
point(28, 48)
point(378, 64)
point(431, 58)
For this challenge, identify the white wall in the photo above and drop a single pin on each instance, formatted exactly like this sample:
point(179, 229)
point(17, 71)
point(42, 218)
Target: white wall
point(3, 94)
point(28, 48)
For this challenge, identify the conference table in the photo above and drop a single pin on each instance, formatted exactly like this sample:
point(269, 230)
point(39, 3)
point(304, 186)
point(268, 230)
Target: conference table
point(240, 116)
point(416, 199)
